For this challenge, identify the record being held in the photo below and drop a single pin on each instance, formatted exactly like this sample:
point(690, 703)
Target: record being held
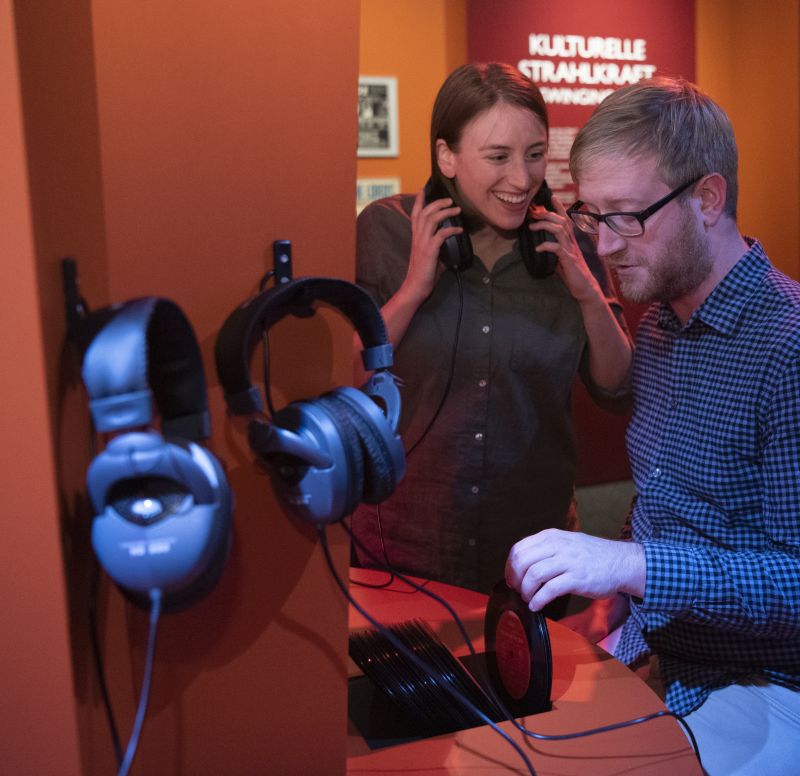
point(518, 656)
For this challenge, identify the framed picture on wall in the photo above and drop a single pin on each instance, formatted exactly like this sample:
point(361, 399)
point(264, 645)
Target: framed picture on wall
point(377, 116)
point(370, 189)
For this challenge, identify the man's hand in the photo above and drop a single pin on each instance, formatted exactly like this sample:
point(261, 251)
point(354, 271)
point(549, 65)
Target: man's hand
point(552, 563)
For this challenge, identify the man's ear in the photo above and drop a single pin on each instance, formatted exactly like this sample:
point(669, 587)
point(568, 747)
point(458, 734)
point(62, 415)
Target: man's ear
point(445, 158)
point(712, 190)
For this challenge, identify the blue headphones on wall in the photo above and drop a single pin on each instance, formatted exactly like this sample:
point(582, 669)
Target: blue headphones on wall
point(161, 500)
point(328, 454)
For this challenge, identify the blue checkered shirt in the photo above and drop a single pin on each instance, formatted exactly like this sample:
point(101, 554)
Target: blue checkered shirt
point(715, 450)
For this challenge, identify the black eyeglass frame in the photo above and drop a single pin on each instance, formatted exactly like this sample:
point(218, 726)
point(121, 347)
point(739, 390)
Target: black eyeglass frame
point(641, 215)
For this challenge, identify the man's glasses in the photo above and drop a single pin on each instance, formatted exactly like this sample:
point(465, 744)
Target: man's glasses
point(624, 223)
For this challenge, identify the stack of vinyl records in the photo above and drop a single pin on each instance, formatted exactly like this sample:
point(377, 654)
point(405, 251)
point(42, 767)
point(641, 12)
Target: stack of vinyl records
point(428, 691)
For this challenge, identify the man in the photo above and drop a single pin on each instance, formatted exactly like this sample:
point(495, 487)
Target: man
point(710, 580)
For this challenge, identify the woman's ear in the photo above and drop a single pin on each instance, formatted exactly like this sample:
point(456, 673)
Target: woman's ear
point(445, 158)
point(712, 190)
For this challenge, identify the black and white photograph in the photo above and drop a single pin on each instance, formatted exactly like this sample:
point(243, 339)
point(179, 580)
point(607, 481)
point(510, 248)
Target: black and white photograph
point(377, 116)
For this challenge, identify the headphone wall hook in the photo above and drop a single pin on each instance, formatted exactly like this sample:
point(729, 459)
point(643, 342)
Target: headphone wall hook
point(281, 265)
point(282, 261)
point(75, 306)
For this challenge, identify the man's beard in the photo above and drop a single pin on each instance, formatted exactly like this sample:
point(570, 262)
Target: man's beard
point(679, 269)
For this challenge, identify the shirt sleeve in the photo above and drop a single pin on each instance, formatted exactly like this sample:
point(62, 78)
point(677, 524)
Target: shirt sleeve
point(748, 591)
point(383, 244)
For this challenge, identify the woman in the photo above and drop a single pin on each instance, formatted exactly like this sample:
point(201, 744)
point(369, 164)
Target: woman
point(496, 461)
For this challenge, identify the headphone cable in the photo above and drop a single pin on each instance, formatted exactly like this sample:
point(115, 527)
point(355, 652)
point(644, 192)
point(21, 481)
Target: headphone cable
point(147, 677)
point(99, 663)
point(265, 348)
point(94, 637)
point(490, 691)
point(452, 365)
point(442, 401)
point(410, 655)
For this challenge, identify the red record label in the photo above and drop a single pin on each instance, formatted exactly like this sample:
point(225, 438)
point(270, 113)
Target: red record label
point(513, 654)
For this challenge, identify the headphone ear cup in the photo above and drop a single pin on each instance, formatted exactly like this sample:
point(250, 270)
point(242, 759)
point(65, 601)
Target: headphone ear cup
point(354, 457)
point(314, 458)
point(163, 517)
point(539, 264)
point(380, 470)
point(456, 251)
point(220, 540)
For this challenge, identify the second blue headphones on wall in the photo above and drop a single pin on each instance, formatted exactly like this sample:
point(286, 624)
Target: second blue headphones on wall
point(330, 453)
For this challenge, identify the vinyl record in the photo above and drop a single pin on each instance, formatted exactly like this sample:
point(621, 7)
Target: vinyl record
point(429, 691)
point(518, 656)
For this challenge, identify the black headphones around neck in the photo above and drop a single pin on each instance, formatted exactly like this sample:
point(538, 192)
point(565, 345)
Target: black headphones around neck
point(162, 502)
point(328, 454)
point(456, 252)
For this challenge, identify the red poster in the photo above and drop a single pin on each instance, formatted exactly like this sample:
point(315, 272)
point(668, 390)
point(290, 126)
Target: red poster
point(579, 51)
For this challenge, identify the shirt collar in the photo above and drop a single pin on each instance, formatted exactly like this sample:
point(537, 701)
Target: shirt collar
point(725, 304)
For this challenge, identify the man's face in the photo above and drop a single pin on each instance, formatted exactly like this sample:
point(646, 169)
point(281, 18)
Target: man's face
point(672, 258)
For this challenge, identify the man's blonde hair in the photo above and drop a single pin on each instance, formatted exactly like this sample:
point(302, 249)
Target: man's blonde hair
point(670, 119)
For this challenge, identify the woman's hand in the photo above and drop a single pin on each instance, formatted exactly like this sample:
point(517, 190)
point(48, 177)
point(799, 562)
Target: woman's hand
point(571, 267)
point(610, 349)
point(423, 266)
point(426, 240)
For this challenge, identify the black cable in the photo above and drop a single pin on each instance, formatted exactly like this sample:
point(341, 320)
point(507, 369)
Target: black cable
point(265, 349)
point(144, 693)
point(94, 638)
point(490, 691)
point(409, 655)
point(452, 366)
point(433, 419)
point(99, 666)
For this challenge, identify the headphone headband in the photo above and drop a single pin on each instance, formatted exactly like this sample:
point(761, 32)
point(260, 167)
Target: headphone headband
point(243, 327)
point(147, 342)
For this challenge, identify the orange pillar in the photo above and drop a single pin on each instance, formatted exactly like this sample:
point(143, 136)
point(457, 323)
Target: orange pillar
point(165, 146)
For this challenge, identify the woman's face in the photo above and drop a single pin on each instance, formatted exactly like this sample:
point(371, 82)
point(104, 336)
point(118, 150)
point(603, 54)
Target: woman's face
point(499, 165)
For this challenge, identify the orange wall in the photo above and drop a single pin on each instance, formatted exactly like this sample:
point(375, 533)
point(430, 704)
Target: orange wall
point(748, 57)
point(419, 42)
point(39, 724)
point(166, 146)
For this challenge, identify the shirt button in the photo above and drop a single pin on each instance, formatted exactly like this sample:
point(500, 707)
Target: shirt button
point(475, 489)
point(482, 383)
point(486, 280)
point(655, 473)
point(486, 329)
point(479, 436)
point(471, 541)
